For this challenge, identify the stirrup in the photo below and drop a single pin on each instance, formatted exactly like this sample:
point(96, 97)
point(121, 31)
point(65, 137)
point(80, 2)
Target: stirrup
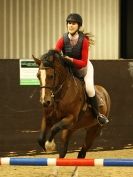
point(102, 119)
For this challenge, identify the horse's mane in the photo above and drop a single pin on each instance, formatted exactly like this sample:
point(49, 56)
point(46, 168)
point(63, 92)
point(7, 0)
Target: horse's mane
point(51, 52)
point(54, 52)
point(46, 60)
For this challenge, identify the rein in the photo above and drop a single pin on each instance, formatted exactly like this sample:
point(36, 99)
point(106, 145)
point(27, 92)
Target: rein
point(53, 93)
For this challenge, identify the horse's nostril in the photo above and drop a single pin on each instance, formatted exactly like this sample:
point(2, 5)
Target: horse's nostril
point(48, 102)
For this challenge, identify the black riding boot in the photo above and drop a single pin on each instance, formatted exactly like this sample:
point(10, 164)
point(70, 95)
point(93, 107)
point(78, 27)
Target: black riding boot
point(100, 117)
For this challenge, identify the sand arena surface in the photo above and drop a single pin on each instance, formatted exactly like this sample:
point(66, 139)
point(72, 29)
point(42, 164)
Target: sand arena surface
point(36, 171)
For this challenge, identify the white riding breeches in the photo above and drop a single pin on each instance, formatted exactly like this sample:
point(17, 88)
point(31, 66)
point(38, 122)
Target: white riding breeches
point(88, 74)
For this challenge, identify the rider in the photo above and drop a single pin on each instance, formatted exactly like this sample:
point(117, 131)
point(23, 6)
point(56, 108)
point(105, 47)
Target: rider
point(75, 47)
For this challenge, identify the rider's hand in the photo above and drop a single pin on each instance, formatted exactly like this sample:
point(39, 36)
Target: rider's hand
point(68, 59)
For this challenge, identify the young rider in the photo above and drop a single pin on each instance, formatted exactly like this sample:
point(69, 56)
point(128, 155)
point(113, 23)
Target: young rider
point(75, 47)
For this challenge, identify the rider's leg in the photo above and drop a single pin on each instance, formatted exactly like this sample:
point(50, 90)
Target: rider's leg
point(95, 109)
point(92, 99)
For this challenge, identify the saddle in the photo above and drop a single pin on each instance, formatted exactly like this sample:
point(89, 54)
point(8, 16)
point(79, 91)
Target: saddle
point(98, 94)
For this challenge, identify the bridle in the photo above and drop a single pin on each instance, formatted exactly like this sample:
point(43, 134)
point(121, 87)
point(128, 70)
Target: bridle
point(53, 89)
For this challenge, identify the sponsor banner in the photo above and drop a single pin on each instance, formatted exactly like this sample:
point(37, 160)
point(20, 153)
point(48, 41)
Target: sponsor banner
point(28, 71)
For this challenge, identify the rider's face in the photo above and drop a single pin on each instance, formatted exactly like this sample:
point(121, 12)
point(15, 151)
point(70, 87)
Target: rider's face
point(72, 27)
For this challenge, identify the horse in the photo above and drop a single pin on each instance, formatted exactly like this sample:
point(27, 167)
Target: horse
point(63, 97)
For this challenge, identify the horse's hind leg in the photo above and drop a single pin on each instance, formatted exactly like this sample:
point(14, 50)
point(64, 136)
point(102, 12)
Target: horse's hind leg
point(91, 135)
point(64, 142)
point(65, 134)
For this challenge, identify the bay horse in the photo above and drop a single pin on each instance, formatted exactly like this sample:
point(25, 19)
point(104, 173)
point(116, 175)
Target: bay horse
point(63, 98)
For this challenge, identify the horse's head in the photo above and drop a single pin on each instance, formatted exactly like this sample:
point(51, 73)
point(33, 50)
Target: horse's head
point(51, 75)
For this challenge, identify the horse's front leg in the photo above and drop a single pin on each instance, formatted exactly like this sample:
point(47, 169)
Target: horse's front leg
point(43, 133)
point(65, 123)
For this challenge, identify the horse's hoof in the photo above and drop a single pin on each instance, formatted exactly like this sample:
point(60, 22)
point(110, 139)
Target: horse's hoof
point(50, 146)
point(40, 142)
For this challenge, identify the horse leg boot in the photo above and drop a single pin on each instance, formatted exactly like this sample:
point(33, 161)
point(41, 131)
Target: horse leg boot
point(102, 119)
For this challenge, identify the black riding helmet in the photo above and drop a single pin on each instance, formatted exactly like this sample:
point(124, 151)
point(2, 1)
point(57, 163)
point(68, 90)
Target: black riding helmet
point(74, 17)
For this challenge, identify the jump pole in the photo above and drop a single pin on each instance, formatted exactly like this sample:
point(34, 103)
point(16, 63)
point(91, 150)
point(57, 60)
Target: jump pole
point(65, 162)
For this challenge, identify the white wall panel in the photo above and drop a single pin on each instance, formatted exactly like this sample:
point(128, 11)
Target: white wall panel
point(33, 26)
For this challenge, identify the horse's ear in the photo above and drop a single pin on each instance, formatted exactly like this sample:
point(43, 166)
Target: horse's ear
point(37, 61)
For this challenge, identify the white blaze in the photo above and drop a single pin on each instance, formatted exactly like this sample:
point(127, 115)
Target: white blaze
point(42, 78)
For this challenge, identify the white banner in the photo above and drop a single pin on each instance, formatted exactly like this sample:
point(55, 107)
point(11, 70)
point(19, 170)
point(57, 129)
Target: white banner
point(28, 72)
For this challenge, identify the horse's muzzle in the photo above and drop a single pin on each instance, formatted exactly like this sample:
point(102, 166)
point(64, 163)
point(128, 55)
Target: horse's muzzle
point(46, 103)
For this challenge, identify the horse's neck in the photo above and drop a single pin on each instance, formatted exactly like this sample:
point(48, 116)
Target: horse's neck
point(63, 72)
point(72, 86)
point(68, 82)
